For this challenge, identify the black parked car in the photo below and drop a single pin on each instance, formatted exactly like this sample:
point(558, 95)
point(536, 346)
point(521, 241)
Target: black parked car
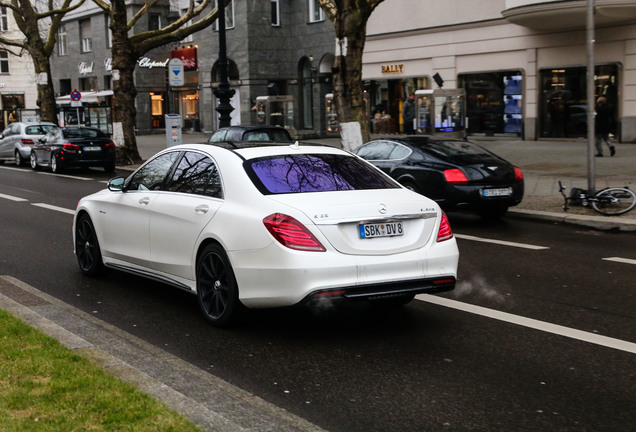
point(457, 174)
point(251, 133)
point(69, 147)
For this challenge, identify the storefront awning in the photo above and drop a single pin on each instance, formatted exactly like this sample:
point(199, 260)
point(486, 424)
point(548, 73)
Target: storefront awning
point(87, 97)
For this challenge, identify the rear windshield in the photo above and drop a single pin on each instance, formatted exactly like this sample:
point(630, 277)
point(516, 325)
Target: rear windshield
point(459, 151)
point(315, 173)
point(83, 133)
point(267, 135)
point(38, 129)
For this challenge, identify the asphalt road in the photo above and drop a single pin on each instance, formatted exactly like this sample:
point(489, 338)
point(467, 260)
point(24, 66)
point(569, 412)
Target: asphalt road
point(538, 335)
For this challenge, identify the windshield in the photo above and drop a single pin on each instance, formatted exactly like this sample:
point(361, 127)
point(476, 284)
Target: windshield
point(38, 129)
point(315, 173)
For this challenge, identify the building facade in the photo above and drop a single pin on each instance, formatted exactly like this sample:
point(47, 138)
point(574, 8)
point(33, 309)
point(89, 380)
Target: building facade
point(279, 53)
point(17, 76)
point(521, 63)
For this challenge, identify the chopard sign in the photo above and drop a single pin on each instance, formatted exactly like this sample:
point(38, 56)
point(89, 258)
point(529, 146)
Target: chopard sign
point(145, 62)
point(393, 69)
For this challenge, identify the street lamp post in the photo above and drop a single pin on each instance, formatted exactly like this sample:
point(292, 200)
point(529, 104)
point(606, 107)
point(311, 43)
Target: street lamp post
point(223, 92)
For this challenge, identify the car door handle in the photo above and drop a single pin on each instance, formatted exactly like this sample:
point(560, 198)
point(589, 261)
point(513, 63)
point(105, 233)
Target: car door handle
point(144, 201)
point(203, 208)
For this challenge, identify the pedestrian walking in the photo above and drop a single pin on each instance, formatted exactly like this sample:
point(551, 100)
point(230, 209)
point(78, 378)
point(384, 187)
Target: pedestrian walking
point(603, 124)
point(408, 114)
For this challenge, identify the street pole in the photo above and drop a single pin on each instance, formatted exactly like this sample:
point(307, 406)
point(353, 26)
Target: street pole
point(591, 135)
point(223, 91)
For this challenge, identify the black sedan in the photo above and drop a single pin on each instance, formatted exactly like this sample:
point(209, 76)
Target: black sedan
point(456, 173)
point(69, 147)
point(250, 133)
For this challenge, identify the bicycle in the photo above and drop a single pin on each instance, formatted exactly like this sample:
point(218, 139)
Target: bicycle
point(611, 201)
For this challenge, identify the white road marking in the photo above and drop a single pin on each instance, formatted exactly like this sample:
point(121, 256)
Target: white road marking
point(12, 198)
point(56, 208)
point(621, 260)
point(65, 176)
point(12, 168)
point(593, 338)
point(500, 242)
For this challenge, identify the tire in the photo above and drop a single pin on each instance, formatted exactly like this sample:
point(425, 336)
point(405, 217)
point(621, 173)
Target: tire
point(33, 160)
point(492, 212)
point(614, 201)
point(217, 290)
point(19, 160)
point(55, 167)
point(89, 255)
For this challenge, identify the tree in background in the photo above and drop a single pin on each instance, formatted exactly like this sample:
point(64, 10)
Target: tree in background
point(350, 21)
point(127, 48)
point(38, 23)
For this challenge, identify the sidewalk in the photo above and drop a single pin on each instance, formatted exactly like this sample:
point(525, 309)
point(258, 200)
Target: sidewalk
point(543, 163)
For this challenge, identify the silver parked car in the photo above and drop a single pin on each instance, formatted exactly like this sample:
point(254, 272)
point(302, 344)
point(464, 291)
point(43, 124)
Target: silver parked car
point(17, 140)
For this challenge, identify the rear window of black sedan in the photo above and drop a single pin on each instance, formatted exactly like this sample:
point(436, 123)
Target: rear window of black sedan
point(315, 173)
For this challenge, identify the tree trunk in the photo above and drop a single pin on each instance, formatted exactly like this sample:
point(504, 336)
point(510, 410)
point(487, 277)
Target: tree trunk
point(124, 90)
point(350, 27)
point(46, 96)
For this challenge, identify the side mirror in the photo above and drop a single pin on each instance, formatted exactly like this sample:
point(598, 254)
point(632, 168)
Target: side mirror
point(116, 184)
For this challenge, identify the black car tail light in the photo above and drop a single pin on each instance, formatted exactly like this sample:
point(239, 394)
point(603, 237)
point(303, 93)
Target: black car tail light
point(291, 233)
point(455, 176)
point(110, 146)
point(518, 174)
point(70, 147)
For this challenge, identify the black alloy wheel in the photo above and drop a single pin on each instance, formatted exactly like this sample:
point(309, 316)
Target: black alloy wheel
point(217, 289)
point(89, 255)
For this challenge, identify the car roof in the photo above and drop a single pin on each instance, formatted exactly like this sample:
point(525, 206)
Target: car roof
point(252, 149)
point(253, 127)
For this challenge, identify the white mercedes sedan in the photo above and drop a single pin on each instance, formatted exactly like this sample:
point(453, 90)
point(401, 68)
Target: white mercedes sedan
point(253, 225)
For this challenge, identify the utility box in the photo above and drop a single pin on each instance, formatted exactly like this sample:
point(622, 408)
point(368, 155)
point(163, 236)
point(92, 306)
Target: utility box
point(173, 130)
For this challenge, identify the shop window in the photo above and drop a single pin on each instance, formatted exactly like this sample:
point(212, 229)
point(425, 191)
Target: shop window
point(4, 62)
point(494, 103)
point(563, 108)
point(88, 84)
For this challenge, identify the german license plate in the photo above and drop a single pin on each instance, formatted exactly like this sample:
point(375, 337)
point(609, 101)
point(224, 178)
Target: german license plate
point(497, 192)
point(92, 148)
point(384, 229)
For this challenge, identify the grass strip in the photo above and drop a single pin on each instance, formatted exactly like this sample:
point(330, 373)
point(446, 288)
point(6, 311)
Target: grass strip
point(44, 386)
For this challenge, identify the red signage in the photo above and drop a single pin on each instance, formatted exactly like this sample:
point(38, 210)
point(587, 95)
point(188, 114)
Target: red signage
point(188, 56)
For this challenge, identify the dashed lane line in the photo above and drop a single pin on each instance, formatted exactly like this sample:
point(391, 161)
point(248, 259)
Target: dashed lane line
point(52, 207)
point(547, 327)
point(500, 242)
point(12, 198)
point(621, 260)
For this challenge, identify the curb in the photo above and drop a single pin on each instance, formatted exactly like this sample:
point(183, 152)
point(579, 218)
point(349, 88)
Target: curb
point(603, 223)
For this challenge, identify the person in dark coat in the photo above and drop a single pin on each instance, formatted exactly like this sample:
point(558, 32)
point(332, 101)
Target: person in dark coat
point(408, 114)
point(603, 124)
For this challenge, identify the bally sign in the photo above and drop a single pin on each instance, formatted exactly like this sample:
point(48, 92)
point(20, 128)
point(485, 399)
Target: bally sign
point(188, 56)
point(393, 69)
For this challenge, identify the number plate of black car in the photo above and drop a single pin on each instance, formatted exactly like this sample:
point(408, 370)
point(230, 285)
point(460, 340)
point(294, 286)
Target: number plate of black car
point(384, 229)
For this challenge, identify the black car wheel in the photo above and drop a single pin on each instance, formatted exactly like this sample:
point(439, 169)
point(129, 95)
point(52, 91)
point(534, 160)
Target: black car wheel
point(33, 160)
point(55, 166)
point(217, 289)
point(411, 186)
point(89, 255)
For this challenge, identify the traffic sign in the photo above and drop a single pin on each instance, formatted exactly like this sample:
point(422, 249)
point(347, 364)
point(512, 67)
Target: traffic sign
point(175, 72)
point(75, 95)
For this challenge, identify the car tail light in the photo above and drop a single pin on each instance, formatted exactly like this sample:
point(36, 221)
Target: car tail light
point(518, 174)
point(455, 176)
point(27, 141)
point(291, 233)
point(110, 146)
point(70, 146)
point(445, 232)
